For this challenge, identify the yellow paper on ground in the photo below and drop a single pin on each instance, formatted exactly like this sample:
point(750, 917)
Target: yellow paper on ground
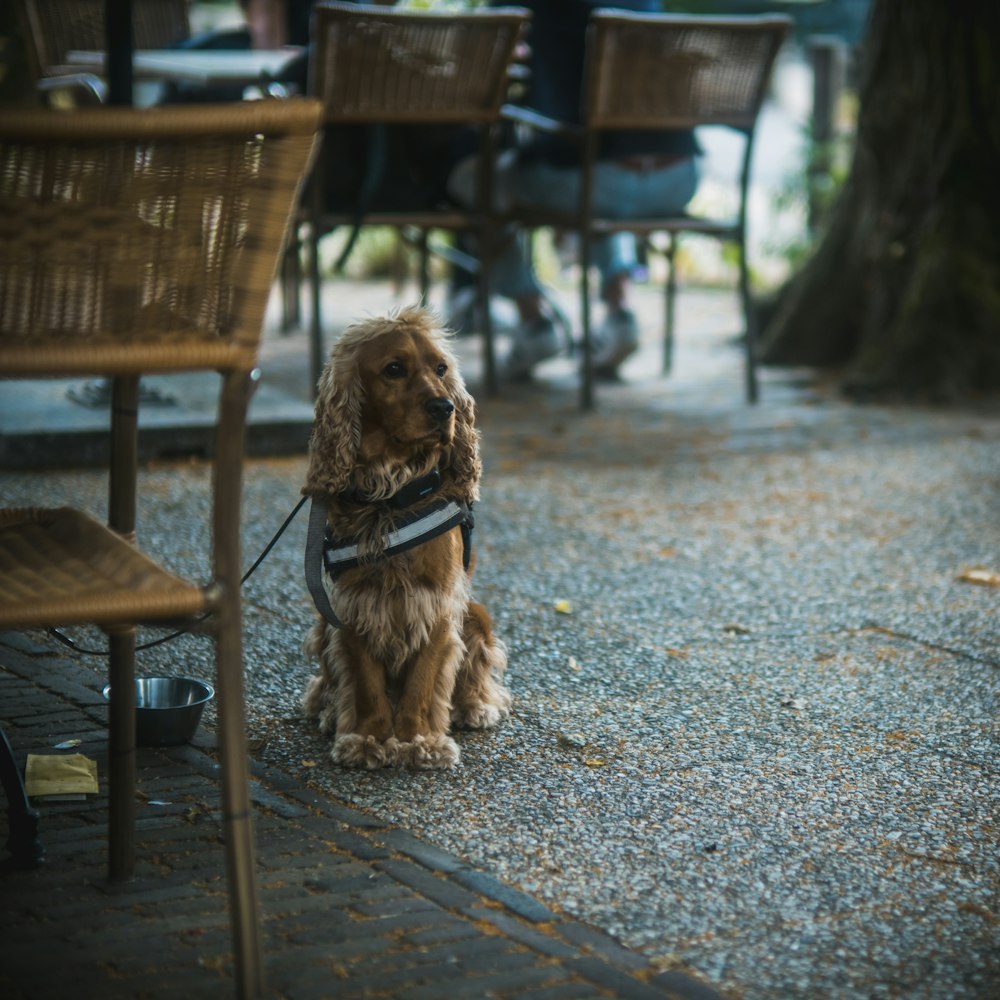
point(69, 774)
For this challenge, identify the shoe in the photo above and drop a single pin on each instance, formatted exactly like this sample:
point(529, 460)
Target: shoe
point(533, 342)
point(613, 341)
point(464, 317)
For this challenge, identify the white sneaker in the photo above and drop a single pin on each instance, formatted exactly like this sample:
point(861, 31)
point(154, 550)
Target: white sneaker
point(533, 343)
point(614, 340)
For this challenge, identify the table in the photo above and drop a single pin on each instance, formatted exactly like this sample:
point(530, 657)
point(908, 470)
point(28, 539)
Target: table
point(198, 66)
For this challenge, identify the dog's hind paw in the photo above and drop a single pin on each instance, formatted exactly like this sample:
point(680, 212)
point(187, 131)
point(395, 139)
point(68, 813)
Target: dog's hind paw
point(355, 750)
point(479, 716)
point(428, 752)
point(484, 712)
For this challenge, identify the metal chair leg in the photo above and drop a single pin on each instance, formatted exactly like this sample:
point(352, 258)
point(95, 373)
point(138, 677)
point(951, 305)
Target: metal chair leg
point(750, 326)
point(316, 354)
point(291, 283)
point(121, 757)
point(670, 306)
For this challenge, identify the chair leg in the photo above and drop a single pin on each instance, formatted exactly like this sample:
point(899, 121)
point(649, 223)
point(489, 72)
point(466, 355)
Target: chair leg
point(121, 756)
point(749, 324)
point(425, 268)
point(587, 359)
point(488, 242)
point(291, 283)
point(241, 865)
point(236, 807)
point(671, 303)
point(316, 358)
point(121, 661)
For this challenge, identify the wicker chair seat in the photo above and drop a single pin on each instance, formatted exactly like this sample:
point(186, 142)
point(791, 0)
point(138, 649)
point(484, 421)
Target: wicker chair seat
point(63, 566)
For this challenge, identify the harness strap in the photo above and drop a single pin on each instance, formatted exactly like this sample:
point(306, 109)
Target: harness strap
point(314, 562)
point(335, 556)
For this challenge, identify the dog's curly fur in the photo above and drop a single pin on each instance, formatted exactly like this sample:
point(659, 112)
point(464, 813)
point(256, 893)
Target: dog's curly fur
point(416, 656)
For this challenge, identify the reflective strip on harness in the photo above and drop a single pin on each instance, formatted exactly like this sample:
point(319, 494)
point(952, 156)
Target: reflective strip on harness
point(339, 556)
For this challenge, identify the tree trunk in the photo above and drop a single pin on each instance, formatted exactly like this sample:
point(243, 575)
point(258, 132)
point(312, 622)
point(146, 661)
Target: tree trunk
point(903, 289)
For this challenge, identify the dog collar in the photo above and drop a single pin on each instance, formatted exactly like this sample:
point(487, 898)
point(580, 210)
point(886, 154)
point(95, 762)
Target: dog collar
point(414, 490)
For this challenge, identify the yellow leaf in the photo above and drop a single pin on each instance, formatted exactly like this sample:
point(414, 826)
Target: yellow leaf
point(563, 607)
point(572, 664)
point(595, 762)
point(309, 763)
point(982, 577)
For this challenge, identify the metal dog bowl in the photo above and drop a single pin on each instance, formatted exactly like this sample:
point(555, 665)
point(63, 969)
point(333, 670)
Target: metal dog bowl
point(167, 709)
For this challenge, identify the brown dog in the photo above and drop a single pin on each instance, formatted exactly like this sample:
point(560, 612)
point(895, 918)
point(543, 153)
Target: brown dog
point(394, 437)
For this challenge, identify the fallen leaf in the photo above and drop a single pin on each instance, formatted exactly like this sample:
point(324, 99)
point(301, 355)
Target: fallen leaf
point(563, 607)
point(572, 664)
point(980, 577)
point(735, 629)
point(309, 763)
point(198, 811)
point(595, 762)
point(668, 960)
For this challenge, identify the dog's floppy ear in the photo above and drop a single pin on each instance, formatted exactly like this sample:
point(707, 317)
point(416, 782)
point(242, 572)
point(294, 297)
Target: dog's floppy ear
point(336, 434)
point(465, 465)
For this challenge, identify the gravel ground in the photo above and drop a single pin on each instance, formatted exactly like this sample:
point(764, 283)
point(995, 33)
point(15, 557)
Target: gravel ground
point(761, 745)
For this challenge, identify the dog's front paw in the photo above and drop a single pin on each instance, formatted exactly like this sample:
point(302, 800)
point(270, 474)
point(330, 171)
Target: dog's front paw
point(427, 752)
point(355, 750)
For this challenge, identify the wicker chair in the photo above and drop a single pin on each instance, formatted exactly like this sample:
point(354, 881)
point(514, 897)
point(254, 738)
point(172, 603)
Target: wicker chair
point(378, 66)
point(54, 27)
point(136, 242)
point(663, 71)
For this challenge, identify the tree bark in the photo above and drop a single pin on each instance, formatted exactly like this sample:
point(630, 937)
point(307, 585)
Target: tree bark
point(902, 290)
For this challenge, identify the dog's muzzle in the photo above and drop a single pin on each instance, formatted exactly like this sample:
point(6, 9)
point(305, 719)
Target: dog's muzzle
point(440, 409)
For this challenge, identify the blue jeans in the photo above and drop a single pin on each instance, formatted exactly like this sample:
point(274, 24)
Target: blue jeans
point(618, 193)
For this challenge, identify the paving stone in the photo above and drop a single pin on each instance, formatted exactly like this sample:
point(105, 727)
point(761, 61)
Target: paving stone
point(342, 895)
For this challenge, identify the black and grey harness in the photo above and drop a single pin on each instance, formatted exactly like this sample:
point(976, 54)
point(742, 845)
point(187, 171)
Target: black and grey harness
point(327, 553)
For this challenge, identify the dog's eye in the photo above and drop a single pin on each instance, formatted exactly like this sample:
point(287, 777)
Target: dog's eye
point(442, 370)
point(394, 369)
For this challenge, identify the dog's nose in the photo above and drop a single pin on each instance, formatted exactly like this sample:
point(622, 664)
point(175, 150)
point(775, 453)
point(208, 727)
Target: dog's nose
point(440, 408)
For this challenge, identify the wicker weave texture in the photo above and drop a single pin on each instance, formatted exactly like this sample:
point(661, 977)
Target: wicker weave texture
point(55, 27)
point(138, 241)
point(376, 64)
point(62, 567)
point(677, 72)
